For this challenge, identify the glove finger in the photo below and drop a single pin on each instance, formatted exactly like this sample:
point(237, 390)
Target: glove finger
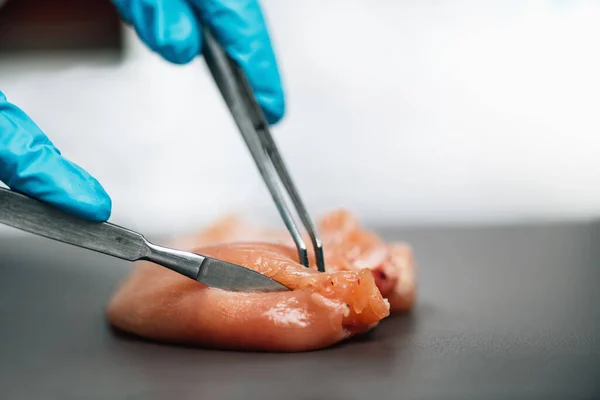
point(168, 27)
point(240, 27)
point(30, 164)
point(124, 9)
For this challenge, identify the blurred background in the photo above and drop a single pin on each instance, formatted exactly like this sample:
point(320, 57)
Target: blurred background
point(406, 112)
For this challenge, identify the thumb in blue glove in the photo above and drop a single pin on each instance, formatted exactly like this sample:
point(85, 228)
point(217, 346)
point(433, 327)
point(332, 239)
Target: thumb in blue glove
point(30, 164)
point(172, 29)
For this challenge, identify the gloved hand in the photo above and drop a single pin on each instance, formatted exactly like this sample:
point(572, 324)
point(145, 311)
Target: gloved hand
point(30, 164)
point(172, 29)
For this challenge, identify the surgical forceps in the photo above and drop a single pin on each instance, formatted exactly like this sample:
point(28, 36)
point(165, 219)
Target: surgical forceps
point(251, 122)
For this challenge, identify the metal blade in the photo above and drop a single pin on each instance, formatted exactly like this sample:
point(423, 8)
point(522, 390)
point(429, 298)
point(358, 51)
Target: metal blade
point(227, 276)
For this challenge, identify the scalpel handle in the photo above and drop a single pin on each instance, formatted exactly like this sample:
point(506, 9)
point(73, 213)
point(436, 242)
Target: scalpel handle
point(33, 216)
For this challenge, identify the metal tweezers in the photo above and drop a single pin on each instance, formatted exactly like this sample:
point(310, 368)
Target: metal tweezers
point(238, 95)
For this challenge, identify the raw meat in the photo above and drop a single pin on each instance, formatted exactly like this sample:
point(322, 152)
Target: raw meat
point(322, 309)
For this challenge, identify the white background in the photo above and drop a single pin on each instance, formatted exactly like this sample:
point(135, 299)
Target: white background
point(408, 112)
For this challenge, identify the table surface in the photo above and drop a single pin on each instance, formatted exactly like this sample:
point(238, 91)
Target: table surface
point(503, 312)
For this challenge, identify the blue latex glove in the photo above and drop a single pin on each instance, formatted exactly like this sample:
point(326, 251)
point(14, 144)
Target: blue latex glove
point(172, 29)
point(30, 164)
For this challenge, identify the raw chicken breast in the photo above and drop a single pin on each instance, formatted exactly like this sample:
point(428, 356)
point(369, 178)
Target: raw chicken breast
point(322, 309)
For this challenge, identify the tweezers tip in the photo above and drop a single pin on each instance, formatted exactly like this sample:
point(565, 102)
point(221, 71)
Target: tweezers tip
point(320, 258)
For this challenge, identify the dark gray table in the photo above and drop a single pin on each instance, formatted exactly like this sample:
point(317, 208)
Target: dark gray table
point(508, 312)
